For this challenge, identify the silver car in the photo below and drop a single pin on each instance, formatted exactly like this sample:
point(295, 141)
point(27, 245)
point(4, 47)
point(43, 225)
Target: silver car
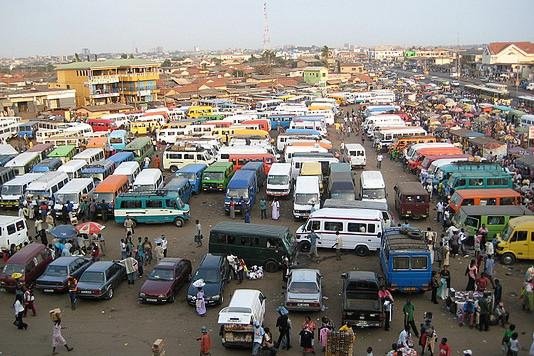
point(304, 290)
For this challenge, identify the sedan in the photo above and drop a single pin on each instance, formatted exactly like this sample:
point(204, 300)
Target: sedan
point(99, 280)
point(304, 290)
point(165, 280)
point(54, 278)
point(215, 271)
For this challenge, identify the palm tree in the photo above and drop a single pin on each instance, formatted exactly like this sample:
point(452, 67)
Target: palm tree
point(268, 56)
point(325, 54)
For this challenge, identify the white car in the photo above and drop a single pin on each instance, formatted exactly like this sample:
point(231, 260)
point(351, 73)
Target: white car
point(455, 83)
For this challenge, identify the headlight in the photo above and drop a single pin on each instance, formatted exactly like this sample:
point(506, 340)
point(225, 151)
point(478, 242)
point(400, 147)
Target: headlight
point(216, 297)
point(142, 294)
point(161, 296)
point(350, 313)
point(372, 315)
point(192, 297)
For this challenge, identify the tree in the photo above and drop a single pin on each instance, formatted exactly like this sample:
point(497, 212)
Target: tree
point(325, 54)
point(268, 57)
point(131, 55)
point(124, 56)
point(166, 63)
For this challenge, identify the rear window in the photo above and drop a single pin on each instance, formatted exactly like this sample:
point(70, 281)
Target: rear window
point(419, 262)
point(303, 287)
point(400, 263)
point(92, 277)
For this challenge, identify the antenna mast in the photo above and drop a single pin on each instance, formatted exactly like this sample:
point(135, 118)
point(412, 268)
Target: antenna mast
point(266, 32)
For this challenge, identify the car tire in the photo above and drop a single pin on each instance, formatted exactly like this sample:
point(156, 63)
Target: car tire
point(271, 266)
point(508, 259)
point(179, 222)
point(171, 299)
point(173, 169)
point(109, 294)
point(361, 251)
point(221, 300)
point(304, 246)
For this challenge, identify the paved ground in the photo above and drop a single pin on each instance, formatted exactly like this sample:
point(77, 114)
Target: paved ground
point(121, 326)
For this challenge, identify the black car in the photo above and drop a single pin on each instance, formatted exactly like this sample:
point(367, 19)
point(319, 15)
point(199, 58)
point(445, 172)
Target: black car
point(99, 280)
point(361, 305)
point(215, 271)
point(54, 278)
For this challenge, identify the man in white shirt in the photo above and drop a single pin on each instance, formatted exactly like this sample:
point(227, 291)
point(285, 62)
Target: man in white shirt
point(463, 241)
point(164, 243)
point(379, 159)
point(404, 337)
point(258, 338)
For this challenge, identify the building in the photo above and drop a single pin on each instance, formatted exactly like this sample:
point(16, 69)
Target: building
point(509, 59)
point(29, 103)
point(128, 81)
point(315, 75)
point(386, 53)
point(437, 56)
point(351, 68)
point(93, 111)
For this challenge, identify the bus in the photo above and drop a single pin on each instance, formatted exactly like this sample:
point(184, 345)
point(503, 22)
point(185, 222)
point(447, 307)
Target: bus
point(386, 137)
point(47, 165)
point(9, 126)
point(14, 189)
point(6, 174)
point(43, 188)
point(98, 170)
point(27, 130)
point(120, 157)
point(271, 104)
point(64, 153)
point(23, 162)
point(72, 192)
point(372, 186)
point(179, 156)
point(73, 168)
point(141, 148)
point(108, 190)
point(90, 155)
point(280, 120)
point(43, 148)
point(118, 139)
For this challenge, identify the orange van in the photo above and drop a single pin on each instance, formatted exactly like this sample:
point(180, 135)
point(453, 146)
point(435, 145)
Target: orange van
point(417, 160)
point(401, 143)
point(467, 197)
point(109, 188)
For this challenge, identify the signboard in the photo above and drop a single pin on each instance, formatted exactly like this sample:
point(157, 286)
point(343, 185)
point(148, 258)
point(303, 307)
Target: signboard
point(104, 79)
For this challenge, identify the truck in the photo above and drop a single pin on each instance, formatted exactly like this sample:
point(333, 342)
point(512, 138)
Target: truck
point(361, 305)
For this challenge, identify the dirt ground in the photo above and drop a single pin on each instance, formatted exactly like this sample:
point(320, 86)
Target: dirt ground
point(122, 326)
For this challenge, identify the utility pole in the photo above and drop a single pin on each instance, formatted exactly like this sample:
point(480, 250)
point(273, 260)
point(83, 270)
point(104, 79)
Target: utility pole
point(266, 32)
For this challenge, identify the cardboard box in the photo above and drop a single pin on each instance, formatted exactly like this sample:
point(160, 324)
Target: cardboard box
point(55, 314)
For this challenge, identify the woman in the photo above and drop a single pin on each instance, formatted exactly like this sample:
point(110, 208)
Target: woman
point(19, 313)
point(310, 326)
point(275, 209)
point(95, 252)
point(200, 302)
point(471, 273)
point(57, 338)
point(232, 208)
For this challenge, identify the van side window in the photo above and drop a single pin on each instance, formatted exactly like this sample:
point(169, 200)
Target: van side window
point(20, 225)
point(29, 266)
point(507, 201)
point(11, 229)
point(371, 228)
point(520, 236)
point(357, 227)
point(154, 204)
point(333, 226)
point(472, 201)
point(218, 238)
point(130, 204)
point(496, 220)
point(400, 263)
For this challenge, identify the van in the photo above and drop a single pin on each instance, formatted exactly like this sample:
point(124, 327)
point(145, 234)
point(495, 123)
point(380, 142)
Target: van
point(261, 245)
point(30, 261)
point(73, 192)
point(43, 148)
point(411, 200)
point(107, 190)
point(517, 240)
point(354, 153)
point(240, 159)
point(193, 172)
point(43, 188)
point(435, 166)
point(178, 156)
point(197, 111)
point(410, 151)
point(118, 139)
point(480, 180)
point(243, 187)
point(90, 155)
point(23, 162)
point(148, 179)
point(6, 174)
point(312, 169)
point(257, 168)
point(358, 204)
point(427, 162)
point(47, 165)
point(73, 168)
point(415, 162)
point(337, 167)
point(13, 190)
point(64, 152)
point(360, 229)
point(386, 136)
point(144, 125)
point(98, 170)
point(130, 169)
point(120, 157)
point(141, 147)
point(341, 186)
point(237, 320)
point(402, 143)
point(444, 172)
point(13, 230)
point(180, 186)
point(466, 197)
point(494, 218)
point(306, 197)
point(279, 180)
point(217, 176)
point(372, 186)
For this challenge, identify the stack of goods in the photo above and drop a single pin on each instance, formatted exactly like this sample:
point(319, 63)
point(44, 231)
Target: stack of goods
point(340, 343)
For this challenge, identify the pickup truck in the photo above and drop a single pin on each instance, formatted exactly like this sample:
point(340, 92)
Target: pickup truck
point(361, 306)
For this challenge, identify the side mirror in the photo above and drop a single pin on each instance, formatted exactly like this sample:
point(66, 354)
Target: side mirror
point(344, 275)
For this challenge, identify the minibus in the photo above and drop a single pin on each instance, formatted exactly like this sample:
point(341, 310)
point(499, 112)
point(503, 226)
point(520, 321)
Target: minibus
point(30, 262)
point(427, 162)
point(411, 200)
point(120, 121)
point(302, 147)
point(118, 139)
point(480, 180)
point(307, 196)
point(300, 123)
point(193, 172)
point(181, 186)
point(73, 192)
point(130, 169)
point(295, 135)
point(141, 147)
point(27, 130)
point(360, 229)
point(435, 166)
point(107, 190)
point(410, 151)
point(279, 180)
point(148, 179)
point(101, 125)
point(354, 153)
point(6, 158)
point(217, 176)
point(517, 240)
point(43, 148)
point(47, 165)
point(23, 162)
point(414, 164)
point(73, 168)
point(6, 174)
point(466, 197)
point(64, 153)
point(312, 169)
point(358, 204)
point(444, 172)
point(380, 119)
point(13, 190)
point(197, 111)
point(90, 155)
point(386, 136)
point(179, 156)
point(257, 168)
point(264, 105)
point(13, 230)
point(43, 188)
point(242, 189)
point(120, 157)
point(145, 207)
point(341, 186)
point(241, 159)
point(340, 167)
point(261, 245)
point(281, 120)
point(99, 142)
point(324, 158)
point(372, 186)
point(494, 218)
point(401, 143)
point(144, 125)
point(99, 170)
point(226, 151)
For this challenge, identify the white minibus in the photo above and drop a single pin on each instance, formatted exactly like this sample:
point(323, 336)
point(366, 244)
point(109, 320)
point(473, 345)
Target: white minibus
point(385, 137)
point(299, 157)
point(149, 179)
point(23, 162)
point(120, 120)
point(14, 189)
point(45, 186)
point(73, 192)
point(290, 150)
point(73, 168)
point(178, 156)
point(372, 130)
point(130, 169)
point(90, 155)
point(13, 230)
point(279, 180)
point(354, 153)
point(360, 229)
point(307, 196)
point(268, 104)
point(383, 118)
point(372, 186)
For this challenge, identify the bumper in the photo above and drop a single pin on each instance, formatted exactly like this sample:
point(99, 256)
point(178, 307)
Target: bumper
point(209, 188)
point(364, 323)
point(153, 300)
point(303, 306)
point(51, 289)
point(8, 204)
point(277, 193)
point(83, 294)
point(209, 302)
point(300, 214)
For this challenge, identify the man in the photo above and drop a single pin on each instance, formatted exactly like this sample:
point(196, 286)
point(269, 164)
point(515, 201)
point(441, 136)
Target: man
point(131, 266)
point(482, 282)
point(198, 235)
point(387, 310)
point(258, 338)
point(489, 266)
point(92, 210)
point(158, 251)
point(164, 243)
point(338, 245)
point(282, 323)
point(497, 293)
point(484, 314)
point(409, 309)
point(439, 210)
point(263, 208)
point(72, 287)
point(379, 159)
point(205, 342)
point(313, 245)
point(129, 225)
point(436, 283)
point(463, 242)
point(404, 337)
point(444, 348)
point(124, 253)
point(147, 162)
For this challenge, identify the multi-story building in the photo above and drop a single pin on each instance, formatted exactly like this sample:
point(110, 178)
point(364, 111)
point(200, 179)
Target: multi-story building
point(315, 75)
point(509, 59)
point(351, 68)
point(385, 53)
point(129, 81)
point(28, 103)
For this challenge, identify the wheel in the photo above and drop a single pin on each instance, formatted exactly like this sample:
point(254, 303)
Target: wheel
point(361, 251)
point(179, 222)
point(171, 299)
point(271, 266)
point(304, 246)
point(109, 294)
point(221, 300)
point(173, 169)
point(508, 259)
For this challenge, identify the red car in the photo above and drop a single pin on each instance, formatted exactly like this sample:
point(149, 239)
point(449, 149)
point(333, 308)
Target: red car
point(165, 280)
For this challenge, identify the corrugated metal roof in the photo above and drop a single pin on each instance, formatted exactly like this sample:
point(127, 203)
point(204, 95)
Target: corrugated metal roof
point(129, 62)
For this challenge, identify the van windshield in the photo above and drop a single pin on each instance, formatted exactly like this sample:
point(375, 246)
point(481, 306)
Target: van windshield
point(11, 190)
point(63, 198)
point(107, 197)
point(116, 140)
point(190, 176)
point(9, 269)
point(237, 193)
point(507, 233)
point(378, 193)
point(278, 180)
point(213, 176)
point(306, 198)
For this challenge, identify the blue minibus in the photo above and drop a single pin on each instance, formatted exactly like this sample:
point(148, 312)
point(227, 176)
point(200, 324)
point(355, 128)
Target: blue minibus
point(242, 187)
point(282, 121)
point(181, 186)
point(47, 165)
point(256, 167)
point(98, 170)
point(27, 129)
point(193, 172)
point(120, 157)
point(118, 139)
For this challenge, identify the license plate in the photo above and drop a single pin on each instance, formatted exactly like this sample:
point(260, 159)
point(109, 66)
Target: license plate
point(85, 292)
point(361, 323)
point(303, 305)
point(48, 290)
point(151, 300)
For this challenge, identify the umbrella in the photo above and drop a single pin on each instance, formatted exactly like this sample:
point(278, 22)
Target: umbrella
point(468, 114)
point(89, 228)
point(457, 109)
point(199, 283)
point(440, 107)
point(63, 232)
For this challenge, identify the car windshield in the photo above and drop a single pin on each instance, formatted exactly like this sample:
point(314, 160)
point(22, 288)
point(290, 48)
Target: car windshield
point(190, 176)
point(306, 198)
point(213, 176)
point(92, 277)
point(278, 180)
point(11, 190)
point(9, 269)
point(208, 275)
point(379, 193)
point(56, 271)
point(161, 274)
point(116, 140)
point(303, 287)
point(237, 193)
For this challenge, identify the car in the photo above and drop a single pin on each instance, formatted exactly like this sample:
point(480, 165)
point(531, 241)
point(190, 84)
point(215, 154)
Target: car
point(361, 306)
point(455, 83)
point(304, 291)
point(99, 280)
point(215, 271)
point(165, 280)
point(54, 278)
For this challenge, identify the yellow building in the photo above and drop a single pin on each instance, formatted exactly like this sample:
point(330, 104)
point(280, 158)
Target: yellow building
point(129, 81)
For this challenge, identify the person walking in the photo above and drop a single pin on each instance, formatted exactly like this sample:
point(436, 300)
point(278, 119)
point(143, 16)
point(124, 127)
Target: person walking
point(439, 210)
point(409, 318)
point(198, 234)
point(232, 208)
point(263, 208)
point(379, 159)
point(515, 346)
point(205, 342)
point(164, 244)
point(29, 300)
point(129, 225)
point(247, 216)
point(338, 245)
point(497, 291)
point(259, 333)
point(282, 323)
point(124, 254)
point(275, 209)
point(200, 302)
point(72, 287)
point(102, 242)
point(313, 245)
point(463, 242)
point(436, 283)
point(131, 266)
point(158, 252)
point(57, 337)
point(444, 349)
point(18, 306)
point(388, 306)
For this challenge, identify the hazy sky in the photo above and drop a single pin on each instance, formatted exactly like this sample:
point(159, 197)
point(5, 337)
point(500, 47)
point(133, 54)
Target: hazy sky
point(30, 27)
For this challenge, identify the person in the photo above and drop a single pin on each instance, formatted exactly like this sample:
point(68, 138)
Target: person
point(205, 342)
point(404, 337)
point(369, 351)
point(444, 348)
point(247, 215)
point(275, 209)
point(388, 306)
point(158, 252)
point(146, 162)
point(471, 273)
point(497, 291)
point(439, 210)
point(131, 266)
point(92, 210)
point(29, 300)
point(306, 340)
point(102, 242)
point(200, 302)
point(57, 337)
point(258, 338)
point(379, 159)
point(489, 266)
point(267, 343)
point(263, 208)
point(123, 249)
point(72, 287)
point(164, 244)
point(139, 257)
point(463, 242)
point(313, 244)
point(324, 330)
point(482, 282)
point(18, 306)
point(505, 342)
point(455, 243)
point(232, 208)
point(428, 337)
point(129, 225)
point(468, 314)
point(501, 314)
point(515, 346)
point(484, 314)
point(338, 245)
point(531, 350)
point(283, 325)
point(95, 252)
point(147, 247)
point(409, 319)
point(436, 283)
point(104, 210)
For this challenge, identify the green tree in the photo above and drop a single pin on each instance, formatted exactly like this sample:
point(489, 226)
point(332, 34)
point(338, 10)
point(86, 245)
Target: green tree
point(166, 63)
point(268, 57)
point(124, 56)
point(325, 54)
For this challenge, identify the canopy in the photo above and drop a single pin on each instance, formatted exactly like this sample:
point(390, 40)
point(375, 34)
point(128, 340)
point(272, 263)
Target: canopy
point(89, 228)
point(64, 232)
point(503, 108)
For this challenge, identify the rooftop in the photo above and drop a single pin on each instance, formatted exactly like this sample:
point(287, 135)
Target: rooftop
point(497, 47)
point(110, 63)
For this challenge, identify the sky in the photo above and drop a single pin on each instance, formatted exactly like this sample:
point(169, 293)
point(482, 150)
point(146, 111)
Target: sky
point(60, 27)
